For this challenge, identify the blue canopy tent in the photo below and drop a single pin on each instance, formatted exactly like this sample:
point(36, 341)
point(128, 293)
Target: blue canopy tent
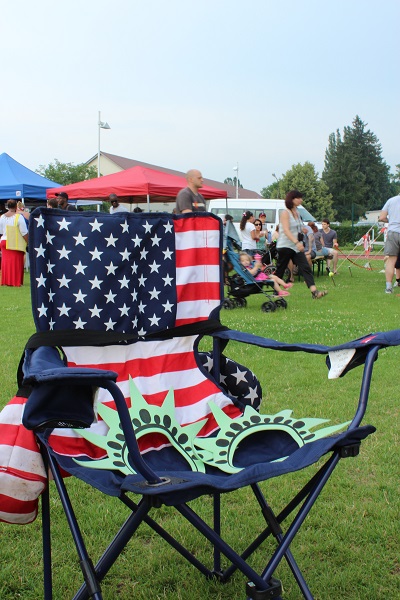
point(19, 182)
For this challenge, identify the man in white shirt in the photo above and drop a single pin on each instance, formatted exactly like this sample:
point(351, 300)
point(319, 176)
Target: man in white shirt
point(115, 205)
point(390, 213)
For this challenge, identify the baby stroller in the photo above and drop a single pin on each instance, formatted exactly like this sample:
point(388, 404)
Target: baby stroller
point(268, 258)
point(242, 284)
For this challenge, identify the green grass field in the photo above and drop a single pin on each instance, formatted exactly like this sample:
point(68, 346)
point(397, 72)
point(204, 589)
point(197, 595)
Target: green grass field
point(348, 547)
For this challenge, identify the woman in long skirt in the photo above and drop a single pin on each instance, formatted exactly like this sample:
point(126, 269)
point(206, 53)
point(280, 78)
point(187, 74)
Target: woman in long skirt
point(12, 261)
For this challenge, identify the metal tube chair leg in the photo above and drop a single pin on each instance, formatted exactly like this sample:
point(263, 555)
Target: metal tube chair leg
point(92, 584)
point(46, 541)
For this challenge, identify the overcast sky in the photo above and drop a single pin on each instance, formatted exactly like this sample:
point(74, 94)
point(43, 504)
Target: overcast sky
point(198, 84)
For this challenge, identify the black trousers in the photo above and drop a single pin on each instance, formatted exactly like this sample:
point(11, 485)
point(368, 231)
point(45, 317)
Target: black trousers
point(299, 259)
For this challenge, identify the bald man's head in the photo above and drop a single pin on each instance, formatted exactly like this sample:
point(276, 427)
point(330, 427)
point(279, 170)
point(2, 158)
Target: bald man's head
point(194, 179)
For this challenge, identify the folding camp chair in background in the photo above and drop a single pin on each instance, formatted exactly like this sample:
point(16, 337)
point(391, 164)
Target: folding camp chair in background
point(121, 397)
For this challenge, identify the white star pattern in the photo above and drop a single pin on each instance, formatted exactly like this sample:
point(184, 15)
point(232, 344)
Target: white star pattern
point(64, 224)
point(168, 307)
point(80, 297)
point(154, 294)
point(96, 254)
point(79, 268)
point(154, 320)
point(95, 272)
point(42, 310)
point(110, 296)
point(124, 282)
point(95, 311)
point(96, 225)
point(167, 280)
point(156, 240)
point(111, 240)
point(96, 283)
point(168, 227)
point(240, 375)
point(79, 324)
point(147, 227)
point(49, 238)
point(79, 239)
point(64, 310)
point(64, 253)
point(154, 267)
point(125, 254)
point(64, 281)
point(41, 281)
point(40, 251)
point(111, 269)
point(124, 310)
point(252, 395)
point(110, 324)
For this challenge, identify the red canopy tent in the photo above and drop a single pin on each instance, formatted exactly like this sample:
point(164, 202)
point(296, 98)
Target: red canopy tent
point(137, 184)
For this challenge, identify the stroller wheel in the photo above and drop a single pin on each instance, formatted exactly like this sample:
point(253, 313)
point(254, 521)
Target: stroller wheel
point(268, 306)
point(281, 302)
point(241, 302)
point(228, 304)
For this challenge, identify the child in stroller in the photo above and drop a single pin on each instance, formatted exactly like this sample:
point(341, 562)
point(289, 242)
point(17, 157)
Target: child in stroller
point(257, 269)
point(242, 284)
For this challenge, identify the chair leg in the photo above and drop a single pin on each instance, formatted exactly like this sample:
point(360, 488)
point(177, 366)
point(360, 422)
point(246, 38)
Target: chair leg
point(46, 541)
point(287, 539)
point(217, 529)
point(92, 585)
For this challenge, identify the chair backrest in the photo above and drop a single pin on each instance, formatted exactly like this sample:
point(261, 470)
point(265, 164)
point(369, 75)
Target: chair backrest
point(135, 274)
point(126, 272)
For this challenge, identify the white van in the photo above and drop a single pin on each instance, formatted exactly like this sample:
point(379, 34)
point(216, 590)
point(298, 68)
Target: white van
point(270, 206)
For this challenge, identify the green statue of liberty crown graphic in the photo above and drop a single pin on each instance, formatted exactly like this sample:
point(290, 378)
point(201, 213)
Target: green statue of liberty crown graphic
point(217, 451)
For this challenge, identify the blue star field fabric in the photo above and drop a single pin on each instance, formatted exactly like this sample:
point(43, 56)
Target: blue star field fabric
point(124, 272)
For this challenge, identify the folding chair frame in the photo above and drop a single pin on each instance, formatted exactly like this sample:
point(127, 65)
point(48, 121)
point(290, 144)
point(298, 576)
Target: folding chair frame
point(260, 586)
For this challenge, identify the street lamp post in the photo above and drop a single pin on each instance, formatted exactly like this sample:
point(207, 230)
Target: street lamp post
point(237, 179)
point(101, 125)
point(277, 181)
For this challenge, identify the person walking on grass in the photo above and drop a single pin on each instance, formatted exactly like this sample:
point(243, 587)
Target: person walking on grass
point(290, 243)
point(390, 214)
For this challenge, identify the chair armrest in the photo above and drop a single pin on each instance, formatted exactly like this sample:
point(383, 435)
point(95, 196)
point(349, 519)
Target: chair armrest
point(52, 403)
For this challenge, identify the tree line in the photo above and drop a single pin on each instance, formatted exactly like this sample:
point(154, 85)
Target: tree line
point(355, 178)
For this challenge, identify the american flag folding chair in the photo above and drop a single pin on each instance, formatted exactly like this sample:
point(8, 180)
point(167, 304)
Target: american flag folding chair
point(119, 395)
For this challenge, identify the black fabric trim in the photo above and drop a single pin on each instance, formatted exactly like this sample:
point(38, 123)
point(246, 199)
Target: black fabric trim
point(73, 337)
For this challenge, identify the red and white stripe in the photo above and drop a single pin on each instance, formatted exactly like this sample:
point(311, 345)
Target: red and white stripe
point(198, 268)
point(156, 367)
point(22, 473)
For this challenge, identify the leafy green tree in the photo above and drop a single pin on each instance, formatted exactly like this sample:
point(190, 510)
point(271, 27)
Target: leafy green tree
point(232, 181)
point(395, 181)
point(355, 173)
point(315, 192)
point(271, 191)
point(66, 173)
